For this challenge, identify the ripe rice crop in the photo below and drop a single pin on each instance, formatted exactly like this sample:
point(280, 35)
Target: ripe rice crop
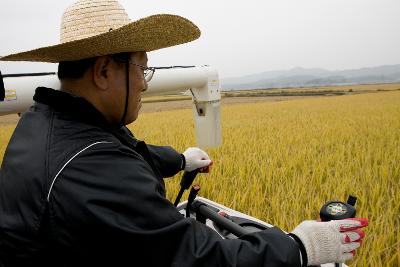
point(281, 161)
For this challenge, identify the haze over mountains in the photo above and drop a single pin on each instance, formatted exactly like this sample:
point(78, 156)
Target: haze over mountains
point(301, 77)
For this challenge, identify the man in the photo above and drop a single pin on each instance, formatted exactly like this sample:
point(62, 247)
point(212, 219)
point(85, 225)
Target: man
point(77, 188)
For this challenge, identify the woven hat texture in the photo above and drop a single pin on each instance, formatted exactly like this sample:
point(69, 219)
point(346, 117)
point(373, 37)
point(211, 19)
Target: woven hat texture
point(91, 28)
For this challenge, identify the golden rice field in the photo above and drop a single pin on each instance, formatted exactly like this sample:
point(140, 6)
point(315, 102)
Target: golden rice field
point(357, 88)
point(280, 161)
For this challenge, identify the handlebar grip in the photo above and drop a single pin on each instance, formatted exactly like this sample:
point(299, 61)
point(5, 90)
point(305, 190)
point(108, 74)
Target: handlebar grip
point(188, 178)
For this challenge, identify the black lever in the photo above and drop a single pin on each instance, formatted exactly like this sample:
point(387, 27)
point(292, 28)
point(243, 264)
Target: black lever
point(2, 89)
point(186, 182)
point(192, 195)
point(352, 200)
point(204, 212)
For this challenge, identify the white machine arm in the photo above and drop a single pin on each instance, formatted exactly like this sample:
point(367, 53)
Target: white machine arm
point(16, 96)
point(203, 84)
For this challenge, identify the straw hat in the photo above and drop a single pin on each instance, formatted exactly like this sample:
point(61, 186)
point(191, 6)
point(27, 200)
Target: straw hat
point(91, 28)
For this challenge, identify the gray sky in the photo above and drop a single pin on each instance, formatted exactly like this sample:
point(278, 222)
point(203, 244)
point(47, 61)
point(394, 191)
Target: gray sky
point(238, 37)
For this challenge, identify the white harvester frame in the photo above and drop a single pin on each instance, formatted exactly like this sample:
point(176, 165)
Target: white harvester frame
point(201, 82)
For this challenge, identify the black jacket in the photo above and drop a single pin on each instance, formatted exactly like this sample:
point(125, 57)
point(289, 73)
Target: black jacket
point(75, 191)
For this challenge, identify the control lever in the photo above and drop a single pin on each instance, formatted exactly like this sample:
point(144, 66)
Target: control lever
point(337, 210)
point(186, 182)
point(192, 195)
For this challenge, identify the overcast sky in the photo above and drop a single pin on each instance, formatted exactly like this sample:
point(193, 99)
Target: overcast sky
point(238, 37)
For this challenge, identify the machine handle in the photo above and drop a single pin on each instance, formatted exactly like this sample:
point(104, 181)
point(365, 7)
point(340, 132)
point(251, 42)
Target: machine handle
point(206, 212)
point(186, 182)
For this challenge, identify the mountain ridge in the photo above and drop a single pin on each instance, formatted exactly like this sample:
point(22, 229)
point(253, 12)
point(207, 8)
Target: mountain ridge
point(304, 77)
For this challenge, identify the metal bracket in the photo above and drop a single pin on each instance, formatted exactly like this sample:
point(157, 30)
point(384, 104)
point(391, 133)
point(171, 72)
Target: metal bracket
point(201, 105)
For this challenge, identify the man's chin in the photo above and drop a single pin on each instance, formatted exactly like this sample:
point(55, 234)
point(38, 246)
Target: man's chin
point(132, 118)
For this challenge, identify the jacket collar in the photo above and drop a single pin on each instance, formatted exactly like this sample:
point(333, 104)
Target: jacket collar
point(81, 110)
point(77, 107)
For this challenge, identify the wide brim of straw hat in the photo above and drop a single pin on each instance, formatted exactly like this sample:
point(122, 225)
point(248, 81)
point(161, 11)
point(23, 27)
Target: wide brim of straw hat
point(147, 34)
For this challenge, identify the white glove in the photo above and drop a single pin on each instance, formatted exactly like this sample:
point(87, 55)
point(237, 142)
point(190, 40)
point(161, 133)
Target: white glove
point(195, 159)
point(333, 241)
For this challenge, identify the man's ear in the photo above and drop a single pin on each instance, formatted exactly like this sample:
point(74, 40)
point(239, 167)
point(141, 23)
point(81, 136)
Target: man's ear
point(101, 72)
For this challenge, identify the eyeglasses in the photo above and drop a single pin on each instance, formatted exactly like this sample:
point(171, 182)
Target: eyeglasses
point(148, 72)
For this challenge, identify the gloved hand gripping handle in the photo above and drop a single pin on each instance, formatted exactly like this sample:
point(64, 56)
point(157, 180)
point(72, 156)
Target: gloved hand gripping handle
point(335, 238)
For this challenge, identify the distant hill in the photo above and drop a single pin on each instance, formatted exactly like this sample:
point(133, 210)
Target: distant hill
point(301, 77)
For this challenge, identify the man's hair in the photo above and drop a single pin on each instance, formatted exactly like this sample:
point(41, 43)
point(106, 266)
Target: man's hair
point(76, 69)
